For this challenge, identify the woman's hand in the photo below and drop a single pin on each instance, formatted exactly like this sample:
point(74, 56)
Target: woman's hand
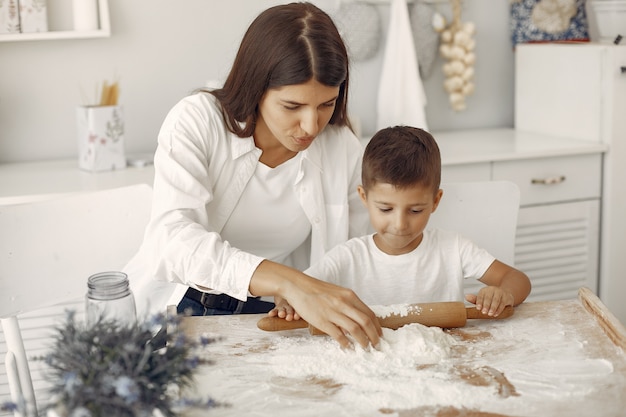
point(335, 310)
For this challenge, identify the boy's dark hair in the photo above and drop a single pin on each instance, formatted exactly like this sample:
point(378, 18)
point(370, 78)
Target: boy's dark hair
point(402, 156)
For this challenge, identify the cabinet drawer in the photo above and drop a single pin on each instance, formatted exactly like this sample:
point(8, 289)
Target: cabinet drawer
point(548, 180)
point(466, 172)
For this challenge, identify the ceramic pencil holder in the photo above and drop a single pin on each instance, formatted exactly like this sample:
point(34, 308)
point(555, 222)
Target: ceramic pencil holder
point(100, 138)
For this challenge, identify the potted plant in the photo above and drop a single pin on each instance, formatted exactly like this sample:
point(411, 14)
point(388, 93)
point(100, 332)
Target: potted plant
point(112, 368)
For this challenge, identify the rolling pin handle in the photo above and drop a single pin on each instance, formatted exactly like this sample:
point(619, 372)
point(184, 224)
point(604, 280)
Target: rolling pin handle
point(275, 324)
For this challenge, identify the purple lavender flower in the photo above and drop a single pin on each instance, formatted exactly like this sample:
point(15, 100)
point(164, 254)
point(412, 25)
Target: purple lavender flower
point(126, 388)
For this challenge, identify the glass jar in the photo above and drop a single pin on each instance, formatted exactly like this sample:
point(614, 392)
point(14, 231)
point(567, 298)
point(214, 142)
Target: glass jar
point(109, 297)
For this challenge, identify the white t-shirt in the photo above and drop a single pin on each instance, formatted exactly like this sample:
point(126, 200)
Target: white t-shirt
point(268, 219)
point(432, 272)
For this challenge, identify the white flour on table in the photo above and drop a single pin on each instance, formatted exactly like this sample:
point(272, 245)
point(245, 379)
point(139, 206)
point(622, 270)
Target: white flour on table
point(525, 366)
point(417, 366)
point(396, 375)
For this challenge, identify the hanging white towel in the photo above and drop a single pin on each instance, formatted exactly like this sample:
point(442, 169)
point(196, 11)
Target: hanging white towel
point(401, 96)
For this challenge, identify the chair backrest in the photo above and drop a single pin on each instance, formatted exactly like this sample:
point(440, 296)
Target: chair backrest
point(483, 211)
point(49, 248)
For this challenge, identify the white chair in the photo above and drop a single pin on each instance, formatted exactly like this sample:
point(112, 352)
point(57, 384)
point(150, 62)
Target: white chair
point(483, 211)
point(47, 251)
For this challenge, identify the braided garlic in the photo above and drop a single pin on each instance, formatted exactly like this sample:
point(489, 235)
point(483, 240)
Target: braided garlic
point(457, 47)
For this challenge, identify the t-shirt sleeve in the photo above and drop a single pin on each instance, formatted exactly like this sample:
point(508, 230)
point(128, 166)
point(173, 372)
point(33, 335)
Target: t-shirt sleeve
point(332, 266)
point(475, 260)
point(323, 270)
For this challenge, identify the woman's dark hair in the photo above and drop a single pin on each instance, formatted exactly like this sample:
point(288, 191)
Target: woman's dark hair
point(402, 156)
point(285, 45)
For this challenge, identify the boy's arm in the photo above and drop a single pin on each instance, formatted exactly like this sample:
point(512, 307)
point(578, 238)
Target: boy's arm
point(505, 286)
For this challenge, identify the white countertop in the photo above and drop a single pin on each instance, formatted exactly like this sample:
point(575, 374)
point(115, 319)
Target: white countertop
point(27, 181)
point(487, 145)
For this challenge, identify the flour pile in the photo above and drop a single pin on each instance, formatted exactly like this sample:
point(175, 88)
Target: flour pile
point(404, 348)
point(398, 374)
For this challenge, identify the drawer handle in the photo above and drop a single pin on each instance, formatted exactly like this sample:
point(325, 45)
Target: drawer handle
point(548, 181)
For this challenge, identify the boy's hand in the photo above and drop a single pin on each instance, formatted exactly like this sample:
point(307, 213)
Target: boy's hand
point(283, 310)
point(491, 300)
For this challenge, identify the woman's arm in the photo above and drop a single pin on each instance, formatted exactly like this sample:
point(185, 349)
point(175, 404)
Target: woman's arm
point(197, 183)
point(335, 310)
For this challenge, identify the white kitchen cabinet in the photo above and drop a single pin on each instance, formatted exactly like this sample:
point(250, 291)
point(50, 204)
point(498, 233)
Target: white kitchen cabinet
point(554, 179)
point(560, 181)
point(557, 237)
point(556, 245)
point(466, 172)
point(579, 91)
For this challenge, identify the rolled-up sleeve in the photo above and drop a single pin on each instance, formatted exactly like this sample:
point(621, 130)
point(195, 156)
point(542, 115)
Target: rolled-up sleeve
point(185, 245)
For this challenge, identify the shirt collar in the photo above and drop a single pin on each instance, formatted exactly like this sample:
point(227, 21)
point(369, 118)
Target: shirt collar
point(313, 154)
point(240, 146)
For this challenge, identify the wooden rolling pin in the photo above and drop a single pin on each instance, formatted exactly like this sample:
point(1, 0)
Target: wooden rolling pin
point(443, 314)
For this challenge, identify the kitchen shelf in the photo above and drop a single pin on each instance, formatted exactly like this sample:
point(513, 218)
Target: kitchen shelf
point(103, 32)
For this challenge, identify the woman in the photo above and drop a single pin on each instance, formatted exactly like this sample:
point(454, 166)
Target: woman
point(257, 179)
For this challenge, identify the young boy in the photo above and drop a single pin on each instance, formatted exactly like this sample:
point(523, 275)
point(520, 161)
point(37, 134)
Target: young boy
point(402, 262)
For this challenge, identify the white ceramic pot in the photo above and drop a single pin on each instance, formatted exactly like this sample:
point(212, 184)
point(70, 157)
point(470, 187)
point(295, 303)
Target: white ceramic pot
point(610, 18)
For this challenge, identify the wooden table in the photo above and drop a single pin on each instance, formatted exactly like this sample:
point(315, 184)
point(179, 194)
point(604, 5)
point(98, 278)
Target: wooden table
point(557, 358)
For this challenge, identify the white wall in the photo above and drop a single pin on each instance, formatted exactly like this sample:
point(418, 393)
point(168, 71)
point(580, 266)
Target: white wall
point(163, 49)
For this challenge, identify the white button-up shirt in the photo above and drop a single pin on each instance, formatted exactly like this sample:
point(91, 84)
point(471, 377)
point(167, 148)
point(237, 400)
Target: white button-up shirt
point(201, 170)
